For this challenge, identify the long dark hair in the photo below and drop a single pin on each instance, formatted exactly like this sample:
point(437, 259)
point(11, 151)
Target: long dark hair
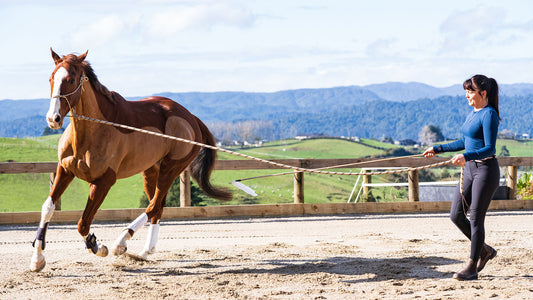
point(483, 83)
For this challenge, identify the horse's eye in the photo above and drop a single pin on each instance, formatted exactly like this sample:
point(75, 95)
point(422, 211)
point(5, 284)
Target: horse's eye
point(71, 81)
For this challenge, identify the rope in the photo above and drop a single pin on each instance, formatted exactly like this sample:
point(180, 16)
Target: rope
point(285, 166)
point(463, 200)
point(339, 166)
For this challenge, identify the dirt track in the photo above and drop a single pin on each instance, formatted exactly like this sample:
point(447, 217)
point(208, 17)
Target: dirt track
point(329, 257)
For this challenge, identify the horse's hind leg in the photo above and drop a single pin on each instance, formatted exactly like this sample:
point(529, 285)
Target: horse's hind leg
point(150, 177)
point(153, 230)
point(98, 191)
point(170, 170)
point(61, 182)
point(162, 181)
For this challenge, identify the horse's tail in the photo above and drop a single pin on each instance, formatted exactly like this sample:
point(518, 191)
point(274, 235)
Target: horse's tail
point(203, 165)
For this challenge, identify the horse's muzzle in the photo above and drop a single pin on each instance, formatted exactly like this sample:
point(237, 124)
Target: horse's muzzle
point(55, 121)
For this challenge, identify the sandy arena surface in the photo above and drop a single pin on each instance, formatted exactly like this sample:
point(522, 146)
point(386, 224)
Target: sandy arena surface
point(400, 256)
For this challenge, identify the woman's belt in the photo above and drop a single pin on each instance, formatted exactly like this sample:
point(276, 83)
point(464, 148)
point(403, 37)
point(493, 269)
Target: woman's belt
point(485, 159)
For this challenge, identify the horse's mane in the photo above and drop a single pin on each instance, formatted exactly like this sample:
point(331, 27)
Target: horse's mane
point(72, 59)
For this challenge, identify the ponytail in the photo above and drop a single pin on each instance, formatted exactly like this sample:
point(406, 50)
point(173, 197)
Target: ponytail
point(492, 95)
point(483, 83)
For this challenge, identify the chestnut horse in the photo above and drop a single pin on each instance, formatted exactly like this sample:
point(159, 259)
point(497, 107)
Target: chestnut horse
point(100, 154)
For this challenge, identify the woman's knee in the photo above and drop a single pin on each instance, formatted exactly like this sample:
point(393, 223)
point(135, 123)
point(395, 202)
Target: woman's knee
point(458, 218)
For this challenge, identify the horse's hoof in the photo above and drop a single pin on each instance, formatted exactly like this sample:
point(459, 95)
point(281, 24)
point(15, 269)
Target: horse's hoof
point(102, 251)
point(119, 250)
point(144, 254)
point(37, 266)
point(135, 257)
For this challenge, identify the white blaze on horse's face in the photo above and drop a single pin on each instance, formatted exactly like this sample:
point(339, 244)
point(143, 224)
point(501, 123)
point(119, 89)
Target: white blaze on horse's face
point(53, 117)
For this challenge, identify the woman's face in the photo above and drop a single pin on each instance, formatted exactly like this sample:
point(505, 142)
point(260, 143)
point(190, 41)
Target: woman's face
point(476, 99)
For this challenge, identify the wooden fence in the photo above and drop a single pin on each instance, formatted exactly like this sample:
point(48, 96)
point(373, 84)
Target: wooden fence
point(299, 207)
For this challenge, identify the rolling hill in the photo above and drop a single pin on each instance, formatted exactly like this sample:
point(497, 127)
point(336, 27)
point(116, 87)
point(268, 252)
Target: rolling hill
point(393, 109)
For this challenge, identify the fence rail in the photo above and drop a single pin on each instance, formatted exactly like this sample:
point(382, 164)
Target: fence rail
point(299, 206)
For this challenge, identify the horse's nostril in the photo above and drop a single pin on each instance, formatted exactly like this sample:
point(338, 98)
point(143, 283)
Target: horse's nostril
point(57, 118)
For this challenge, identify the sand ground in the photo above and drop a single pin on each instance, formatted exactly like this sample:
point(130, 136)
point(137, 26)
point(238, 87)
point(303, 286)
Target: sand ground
point(400, 256)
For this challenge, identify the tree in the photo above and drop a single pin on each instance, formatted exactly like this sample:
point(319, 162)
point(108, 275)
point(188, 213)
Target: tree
point(506, 134)
point(387, 139)
point(430, 134)
point(48, 131)
point(243, 131)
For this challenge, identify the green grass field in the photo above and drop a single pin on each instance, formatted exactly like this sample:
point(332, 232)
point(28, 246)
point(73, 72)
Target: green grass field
point(26, 192)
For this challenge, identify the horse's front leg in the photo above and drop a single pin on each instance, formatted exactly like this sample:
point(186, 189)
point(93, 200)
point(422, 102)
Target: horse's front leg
point(98, 191)
point(61, 182)
point(37, 260)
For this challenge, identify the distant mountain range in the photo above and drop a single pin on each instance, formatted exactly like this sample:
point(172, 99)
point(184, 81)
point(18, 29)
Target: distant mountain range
point(381, 109)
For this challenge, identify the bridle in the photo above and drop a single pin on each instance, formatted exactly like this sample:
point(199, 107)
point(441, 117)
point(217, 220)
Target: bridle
point(83, 78)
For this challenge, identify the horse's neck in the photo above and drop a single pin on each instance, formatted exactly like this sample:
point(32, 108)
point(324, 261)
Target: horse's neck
point(88, 106)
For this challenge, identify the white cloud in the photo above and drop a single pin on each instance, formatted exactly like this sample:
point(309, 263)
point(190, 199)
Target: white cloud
point(471, 30)
point(381, 48)
point(100, 32)
point(145, 46)
point(203, 16)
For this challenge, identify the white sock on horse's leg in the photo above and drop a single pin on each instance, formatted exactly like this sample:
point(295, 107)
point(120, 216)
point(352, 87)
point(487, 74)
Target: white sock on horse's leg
point(151, 240)
point(120, 243)
point(37, 260)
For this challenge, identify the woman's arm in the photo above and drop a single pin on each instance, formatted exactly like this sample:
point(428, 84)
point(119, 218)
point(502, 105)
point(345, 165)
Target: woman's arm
point(453, 146)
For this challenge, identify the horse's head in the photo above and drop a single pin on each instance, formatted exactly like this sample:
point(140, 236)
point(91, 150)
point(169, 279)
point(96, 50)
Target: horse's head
point(65, 85)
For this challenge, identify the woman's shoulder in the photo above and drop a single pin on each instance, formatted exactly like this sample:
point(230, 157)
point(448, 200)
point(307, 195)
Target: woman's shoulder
point(490, 112)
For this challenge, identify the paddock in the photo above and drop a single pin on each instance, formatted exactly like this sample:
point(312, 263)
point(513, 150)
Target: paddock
point(401, 255)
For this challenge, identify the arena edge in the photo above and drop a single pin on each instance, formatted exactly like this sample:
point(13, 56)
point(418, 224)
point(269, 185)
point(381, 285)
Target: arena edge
point(262, 210)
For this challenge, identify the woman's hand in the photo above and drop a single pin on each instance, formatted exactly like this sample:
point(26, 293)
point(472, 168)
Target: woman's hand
point(429, 152)
point(459, 160)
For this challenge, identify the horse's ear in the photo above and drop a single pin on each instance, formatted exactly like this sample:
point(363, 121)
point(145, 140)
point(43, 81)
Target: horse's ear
point(56, 57)
point(83, 56)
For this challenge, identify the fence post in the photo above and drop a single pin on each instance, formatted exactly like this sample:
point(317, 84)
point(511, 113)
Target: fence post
point(413, 186)
point(512, 181)
point(58, 202)
point(298, 187)
point(185, 188)
point(367, 192)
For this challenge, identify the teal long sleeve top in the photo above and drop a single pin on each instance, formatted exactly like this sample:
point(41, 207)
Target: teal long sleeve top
point(480, 132)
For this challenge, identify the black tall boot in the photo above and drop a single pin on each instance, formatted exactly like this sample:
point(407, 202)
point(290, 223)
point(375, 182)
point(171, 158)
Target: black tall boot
point(468, 273)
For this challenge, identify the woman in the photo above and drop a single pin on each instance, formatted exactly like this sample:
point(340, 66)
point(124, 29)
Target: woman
point(481, 171)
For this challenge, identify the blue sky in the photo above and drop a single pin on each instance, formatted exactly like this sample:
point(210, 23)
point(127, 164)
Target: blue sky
point(138, 48)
